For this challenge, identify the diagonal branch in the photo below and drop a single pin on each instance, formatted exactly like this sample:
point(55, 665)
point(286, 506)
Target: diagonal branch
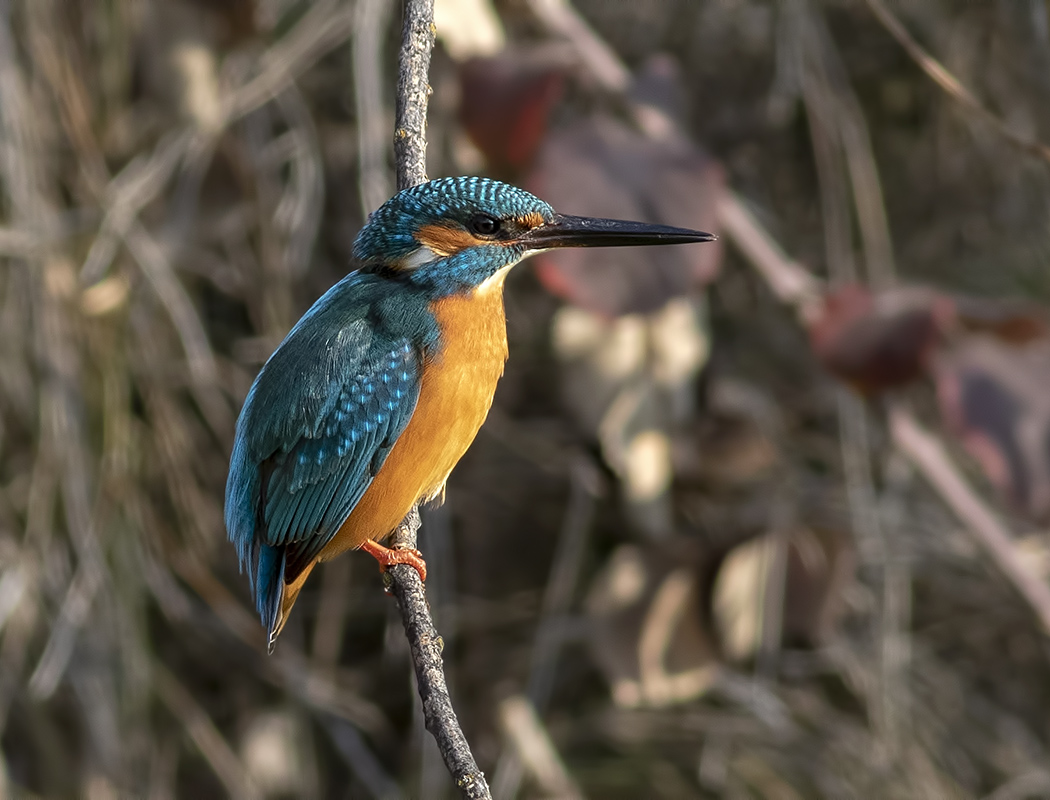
point(940, 75)
point(403, 582)
point(928, 454)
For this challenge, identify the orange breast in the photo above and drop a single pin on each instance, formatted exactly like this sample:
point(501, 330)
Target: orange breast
point(454, 399)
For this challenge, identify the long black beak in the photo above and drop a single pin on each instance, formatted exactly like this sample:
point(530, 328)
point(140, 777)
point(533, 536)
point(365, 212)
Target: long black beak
point(567, 231)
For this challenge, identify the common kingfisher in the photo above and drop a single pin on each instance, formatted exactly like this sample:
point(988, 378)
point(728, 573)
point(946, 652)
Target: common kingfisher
point(375, 394)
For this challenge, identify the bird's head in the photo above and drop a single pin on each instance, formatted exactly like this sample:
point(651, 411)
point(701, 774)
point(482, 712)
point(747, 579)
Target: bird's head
point(455, 235)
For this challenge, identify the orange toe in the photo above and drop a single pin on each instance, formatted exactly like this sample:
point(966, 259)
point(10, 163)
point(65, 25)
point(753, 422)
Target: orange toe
point(388, 557)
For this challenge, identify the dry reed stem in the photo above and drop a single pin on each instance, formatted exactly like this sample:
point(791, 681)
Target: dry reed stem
point(955, 89)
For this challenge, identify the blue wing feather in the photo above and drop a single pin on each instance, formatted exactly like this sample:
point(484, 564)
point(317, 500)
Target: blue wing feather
point(317, 425)
point(313, 489)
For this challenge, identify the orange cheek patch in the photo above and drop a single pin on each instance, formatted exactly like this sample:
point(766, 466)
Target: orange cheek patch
point(445, 241)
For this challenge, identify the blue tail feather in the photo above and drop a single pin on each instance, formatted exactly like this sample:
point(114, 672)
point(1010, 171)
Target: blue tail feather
point(269, 585)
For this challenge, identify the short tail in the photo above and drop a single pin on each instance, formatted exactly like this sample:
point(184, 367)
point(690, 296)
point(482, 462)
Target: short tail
point(273, 597)
point(269, 589)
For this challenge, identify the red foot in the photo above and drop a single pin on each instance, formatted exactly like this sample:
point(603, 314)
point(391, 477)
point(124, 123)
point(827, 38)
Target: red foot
point(388, 558)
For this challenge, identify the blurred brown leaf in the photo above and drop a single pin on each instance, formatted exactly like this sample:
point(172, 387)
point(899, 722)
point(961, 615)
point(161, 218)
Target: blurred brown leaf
point(878, 341)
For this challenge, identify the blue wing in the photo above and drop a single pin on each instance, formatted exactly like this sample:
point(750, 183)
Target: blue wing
point(317, 426)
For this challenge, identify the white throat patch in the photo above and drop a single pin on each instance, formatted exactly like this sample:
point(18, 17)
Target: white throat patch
point(494, 282)
point(419, 257)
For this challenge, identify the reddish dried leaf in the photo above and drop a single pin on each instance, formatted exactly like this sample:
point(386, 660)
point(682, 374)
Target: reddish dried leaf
point(506, 102)
point(877, 342)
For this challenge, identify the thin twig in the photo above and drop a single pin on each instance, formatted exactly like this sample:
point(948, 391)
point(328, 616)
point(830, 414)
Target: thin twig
point(413, 91)
point(323, 690)
point(921, 447)
point(845, 160)
point(564, 577)
point(410, 151)
point(600, 60)
point(320, 30)
point(949, 83)
point(825, 137)
point(203, 371)
point(830, 98)
point(434, 780)
point(789, 281)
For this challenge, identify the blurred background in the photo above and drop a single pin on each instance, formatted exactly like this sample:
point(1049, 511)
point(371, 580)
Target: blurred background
point(762, 519)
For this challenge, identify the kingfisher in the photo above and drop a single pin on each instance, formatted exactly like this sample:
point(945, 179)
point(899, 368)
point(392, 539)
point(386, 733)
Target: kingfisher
point(377, 392)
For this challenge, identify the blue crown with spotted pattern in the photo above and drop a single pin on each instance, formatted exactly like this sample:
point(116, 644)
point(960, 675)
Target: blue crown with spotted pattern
point(389, 234)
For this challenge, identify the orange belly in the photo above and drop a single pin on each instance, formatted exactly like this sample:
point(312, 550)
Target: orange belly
point(454, 398)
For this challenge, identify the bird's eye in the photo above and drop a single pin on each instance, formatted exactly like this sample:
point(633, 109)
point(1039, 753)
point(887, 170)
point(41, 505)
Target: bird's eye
point(484, 225)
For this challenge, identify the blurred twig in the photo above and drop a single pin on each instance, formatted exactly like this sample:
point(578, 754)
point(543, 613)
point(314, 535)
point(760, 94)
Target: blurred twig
point(842, 147)
point(374, 178)
point(928, 454)
point(211, 744)
point(841, 140)
point(584, 483)
point(534, 749)
point(32, 196)
point(359, 758)
point(325, 26)
point(323, 690)
point(940, 75)
point(321, 29)
point(790, 282)
point(158, 270)
point(560, 18)
point(557, 599)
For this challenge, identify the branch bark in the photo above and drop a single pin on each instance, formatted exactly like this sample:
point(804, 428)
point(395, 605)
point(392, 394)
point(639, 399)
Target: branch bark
point(413, 91)
point(426, 645)
point(410, 147)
